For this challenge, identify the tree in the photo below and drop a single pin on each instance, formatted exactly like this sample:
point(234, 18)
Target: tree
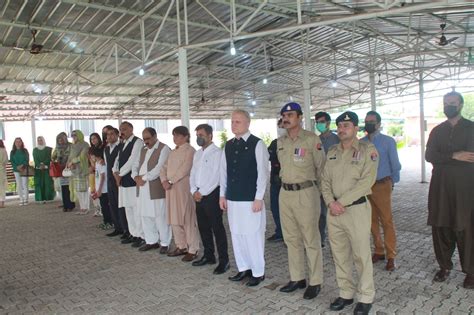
point(468, 108)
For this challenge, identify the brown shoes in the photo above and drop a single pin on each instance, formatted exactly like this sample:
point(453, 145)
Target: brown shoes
point(469, 282)
point(377, 257)
point(441, 275)
point(178, 252)
point(190, 257)
point(390, 266)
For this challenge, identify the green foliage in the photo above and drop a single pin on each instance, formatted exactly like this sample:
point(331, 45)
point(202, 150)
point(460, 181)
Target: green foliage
point(468, 108)
point(266, 138)
point(395, 130)
point(223, 138)
point(401, 144)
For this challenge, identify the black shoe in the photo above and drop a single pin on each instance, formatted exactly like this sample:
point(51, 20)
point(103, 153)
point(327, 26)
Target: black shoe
point(114, 233)
point(340, 303)
point(241, 275)
point(204, 261)
point(138, 242)
point(148, 247)
point(293, 285)
point(125, 235)
point(128, 240)
point(362, 308)
point(254, 281)
point(221, 268)
point(275, 238)
point(311, 292)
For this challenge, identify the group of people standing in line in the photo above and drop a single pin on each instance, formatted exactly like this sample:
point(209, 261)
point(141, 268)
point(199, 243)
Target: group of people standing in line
point(150, 193)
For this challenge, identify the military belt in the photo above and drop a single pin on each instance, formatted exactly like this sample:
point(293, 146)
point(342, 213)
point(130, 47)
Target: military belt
point(299, 186)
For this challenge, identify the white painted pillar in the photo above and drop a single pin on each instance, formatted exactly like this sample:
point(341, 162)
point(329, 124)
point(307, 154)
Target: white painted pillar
point(33, 132)
point(422, 128)
point(307, 98)
point(183, 86)
point(373, 101)
point(119, 120)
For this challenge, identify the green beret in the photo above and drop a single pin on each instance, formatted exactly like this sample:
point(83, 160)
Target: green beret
point(348, 116)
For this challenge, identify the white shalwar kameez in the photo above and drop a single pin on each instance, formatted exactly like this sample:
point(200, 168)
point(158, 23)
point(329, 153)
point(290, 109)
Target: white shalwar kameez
point(128, 195)
point(154, 215)
point(247, 228)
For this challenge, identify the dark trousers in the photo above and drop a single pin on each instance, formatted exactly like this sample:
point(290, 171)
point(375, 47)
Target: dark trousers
point(209, 219)
point(275, 206)
point(446, 239)
point(323, 220)
point(104, 207)
point(117, 214)
point(66, 196)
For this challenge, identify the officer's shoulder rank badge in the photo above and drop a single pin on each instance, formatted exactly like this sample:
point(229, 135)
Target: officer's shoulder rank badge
point(374, 156)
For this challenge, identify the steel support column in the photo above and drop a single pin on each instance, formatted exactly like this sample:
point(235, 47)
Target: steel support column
point(422, 128)
point(183, 86)
point(307, 98)
point(33, 131)
point(373, 101)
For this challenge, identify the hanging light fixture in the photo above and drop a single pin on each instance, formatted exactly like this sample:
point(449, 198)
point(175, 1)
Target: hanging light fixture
point(265, 81)
point(380, 81)
point(349, 70)
point(254, 102)
point(334, 83)
point(141, 71)
point(232, 48)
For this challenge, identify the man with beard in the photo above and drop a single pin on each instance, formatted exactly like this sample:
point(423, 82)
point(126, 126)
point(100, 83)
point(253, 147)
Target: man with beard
point(204, 182)
point(450, 149)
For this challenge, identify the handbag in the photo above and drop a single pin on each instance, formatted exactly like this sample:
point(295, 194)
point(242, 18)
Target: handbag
point(55, 169)
point(67, 172)
point(26, 170)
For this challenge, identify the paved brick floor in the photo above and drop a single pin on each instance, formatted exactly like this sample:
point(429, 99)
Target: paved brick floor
point(55, 262)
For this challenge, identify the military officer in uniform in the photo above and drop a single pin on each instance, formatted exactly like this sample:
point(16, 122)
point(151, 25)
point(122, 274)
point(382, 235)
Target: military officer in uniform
point(301, 159)
point(348, 176)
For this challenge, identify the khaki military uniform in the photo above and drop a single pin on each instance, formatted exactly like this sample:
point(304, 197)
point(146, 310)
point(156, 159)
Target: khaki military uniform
point(301, 161)
point(348, 177)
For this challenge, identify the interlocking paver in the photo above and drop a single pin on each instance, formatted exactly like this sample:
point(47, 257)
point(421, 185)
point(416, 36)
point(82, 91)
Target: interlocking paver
point(55, 262)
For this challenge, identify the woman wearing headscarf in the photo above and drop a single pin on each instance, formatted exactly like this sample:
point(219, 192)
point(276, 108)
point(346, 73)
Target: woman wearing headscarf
point(78, 162)
point(61, 156)
point(44, 187)
point(19, 157)
point(3, 173)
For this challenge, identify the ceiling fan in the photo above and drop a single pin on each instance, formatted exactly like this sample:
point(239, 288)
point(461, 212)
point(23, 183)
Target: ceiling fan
point(443, 41)
point(35, 48)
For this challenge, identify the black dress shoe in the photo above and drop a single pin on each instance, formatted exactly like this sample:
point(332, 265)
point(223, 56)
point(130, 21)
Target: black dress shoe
point(138, 242)
point(241, 275)
point(254, 281)
point(340, 303)
point(293, 285)
point(147, 247)
point(204, 261)
point(275, 238)
point(311, 292)
point(128, 240)
point(114, 233)
point(221, 268)
point(125, 235)
point(362, 308)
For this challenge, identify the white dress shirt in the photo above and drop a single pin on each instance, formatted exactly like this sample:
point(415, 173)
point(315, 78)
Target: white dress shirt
point(262, 157)
point(154, 173)
point(205, 171)
point(127, 167)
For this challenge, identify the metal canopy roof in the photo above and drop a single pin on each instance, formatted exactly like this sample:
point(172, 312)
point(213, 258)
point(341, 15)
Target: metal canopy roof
point(92, 51)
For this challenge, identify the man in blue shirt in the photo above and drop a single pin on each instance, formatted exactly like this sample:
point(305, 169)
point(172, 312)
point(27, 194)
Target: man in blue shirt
point(388, 173)
point(328, 138)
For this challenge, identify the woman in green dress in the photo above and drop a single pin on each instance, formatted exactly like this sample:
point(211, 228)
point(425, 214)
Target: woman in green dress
point(44, 187)
point(78, 162)
point(19, 157)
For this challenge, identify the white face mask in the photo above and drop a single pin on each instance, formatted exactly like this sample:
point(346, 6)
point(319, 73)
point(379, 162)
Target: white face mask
point(281, 132)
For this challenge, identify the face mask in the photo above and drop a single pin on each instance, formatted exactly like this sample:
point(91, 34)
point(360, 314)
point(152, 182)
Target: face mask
point(451, 111)
point(281, 132)
point(200, 141)
point(321, 127)
point(370, 128)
